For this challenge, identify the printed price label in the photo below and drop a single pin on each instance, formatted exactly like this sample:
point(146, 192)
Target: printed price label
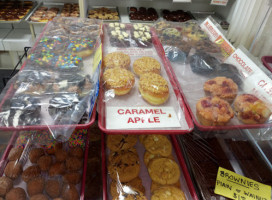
point(219, 2)
point(235, 186)
point(141, 117)
point(97, 58)
point(217, 37)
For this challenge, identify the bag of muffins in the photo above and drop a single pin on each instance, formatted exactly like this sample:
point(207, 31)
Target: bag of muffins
point(36, 166)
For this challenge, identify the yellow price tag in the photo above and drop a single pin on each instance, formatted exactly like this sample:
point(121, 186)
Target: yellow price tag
point(235, 186)
point(97, 57)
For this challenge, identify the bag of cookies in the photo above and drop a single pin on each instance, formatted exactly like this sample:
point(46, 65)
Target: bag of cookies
point(143, 167)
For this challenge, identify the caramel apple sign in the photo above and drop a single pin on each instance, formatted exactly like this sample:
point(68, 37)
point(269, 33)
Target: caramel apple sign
point(141, 117)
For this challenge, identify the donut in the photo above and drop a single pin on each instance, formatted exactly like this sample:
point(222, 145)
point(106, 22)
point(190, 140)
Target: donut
point(118, 79)
point(153, 88)
point(116, 59)
point(67, 62)
point(146, 64)
point(82, 47)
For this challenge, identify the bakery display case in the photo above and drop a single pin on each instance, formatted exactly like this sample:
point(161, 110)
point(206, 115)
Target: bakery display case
point(174, 101)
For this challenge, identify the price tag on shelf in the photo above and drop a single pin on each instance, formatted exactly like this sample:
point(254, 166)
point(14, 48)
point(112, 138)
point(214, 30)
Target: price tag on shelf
point(141, 117)
point(182, 1)
point(235, 186)
point(219, 2)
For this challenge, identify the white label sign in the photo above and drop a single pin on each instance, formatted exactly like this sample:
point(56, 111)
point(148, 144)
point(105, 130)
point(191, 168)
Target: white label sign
point(141, 117)
point(219, 2)
point(255, 81)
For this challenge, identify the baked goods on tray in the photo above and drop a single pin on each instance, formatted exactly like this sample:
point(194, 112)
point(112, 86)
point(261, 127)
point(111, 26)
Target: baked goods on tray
point(14, 10)
point(143, 14)
point(70, 10)
point(213, 111)
point(44, 14)
point(251, 110)
point(104, 13)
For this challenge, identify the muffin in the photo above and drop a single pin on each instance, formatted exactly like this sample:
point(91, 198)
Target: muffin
point(146, 64)
point(154, 88)
point(13, 169)
point(221, 87)
point(213, 111)
point(251, 110)
point(116, 59)
point(119, 79)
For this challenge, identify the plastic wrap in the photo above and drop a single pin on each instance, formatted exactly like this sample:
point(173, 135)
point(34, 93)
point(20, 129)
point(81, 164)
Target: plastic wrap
point(134, 168)
point(219, 95)
point(59, 82)
point(236, 151)
point(39, 165)
point(151, 77)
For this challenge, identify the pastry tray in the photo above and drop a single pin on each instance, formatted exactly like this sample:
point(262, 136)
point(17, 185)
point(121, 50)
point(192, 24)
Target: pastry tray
point(132, 99)
point(113, 8)
point(44, 112)
point(185, 179)
point(47, 4)
point(141, 21)
point(4, 161)
point(187, 82)
point(34, 7)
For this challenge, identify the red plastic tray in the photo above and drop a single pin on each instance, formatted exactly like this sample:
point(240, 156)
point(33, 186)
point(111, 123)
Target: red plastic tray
point(101, 108)
point(10, 93)
point(182, 165)
point(266, 60)
point(3, 161)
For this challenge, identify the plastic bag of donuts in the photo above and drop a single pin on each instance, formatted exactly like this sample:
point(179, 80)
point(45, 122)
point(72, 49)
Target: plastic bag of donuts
point(37, 166)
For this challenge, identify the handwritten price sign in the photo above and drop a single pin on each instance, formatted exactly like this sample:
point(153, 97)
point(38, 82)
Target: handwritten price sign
point(235, 186)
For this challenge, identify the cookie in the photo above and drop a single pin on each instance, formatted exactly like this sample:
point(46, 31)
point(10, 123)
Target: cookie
point(125, 167)
point(158, 144)
point(169, 193)
point(222, 87)
point(149, 156)
point(116, 59)
point(118, 79)
point(154, 88)
point(115, 154)
point(164, 171)
point(121, 142)
point(146, 64)
point(118, 187)
point(155, 186)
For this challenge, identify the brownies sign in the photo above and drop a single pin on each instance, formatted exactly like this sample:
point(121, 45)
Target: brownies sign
point(235, 186)
point(141, 117)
